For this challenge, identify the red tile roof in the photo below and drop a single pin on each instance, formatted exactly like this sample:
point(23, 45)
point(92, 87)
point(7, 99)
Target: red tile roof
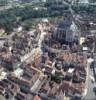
point(37, 98)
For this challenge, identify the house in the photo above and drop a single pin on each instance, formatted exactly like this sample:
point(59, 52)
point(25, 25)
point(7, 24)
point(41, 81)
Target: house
point(37, 98)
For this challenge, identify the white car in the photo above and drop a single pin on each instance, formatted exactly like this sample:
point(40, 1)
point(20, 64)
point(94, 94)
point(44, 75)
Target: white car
point(92, 79)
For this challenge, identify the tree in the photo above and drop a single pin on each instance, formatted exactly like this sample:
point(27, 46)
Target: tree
point(27, 25)
point(3, 2)
point(92, 1)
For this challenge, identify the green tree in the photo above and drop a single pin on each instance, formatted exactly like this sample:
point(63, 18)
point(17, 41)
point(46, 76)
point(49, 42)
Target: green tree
point(92, 1)
point(3, 2)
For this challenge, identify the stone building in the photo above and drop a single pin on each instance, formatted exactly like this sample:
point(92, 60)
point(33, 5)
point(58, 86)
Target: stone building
point(67, 31)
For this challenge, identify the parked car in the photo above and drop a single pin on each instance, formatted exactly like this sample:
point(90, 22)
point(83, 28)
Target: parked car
point(92, 79)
